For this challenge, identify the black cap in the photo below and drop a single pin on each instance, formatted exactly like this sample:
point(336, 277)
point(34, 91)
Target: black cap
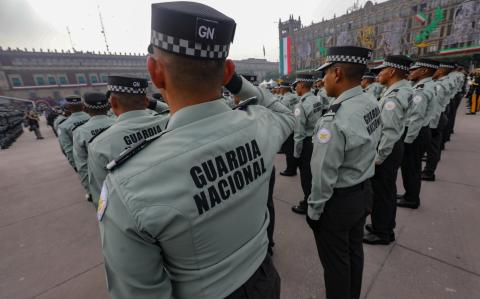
point(347, 54)
point(191, 29)
point(303, 78)
point(400, 62)
point(250, 78)
point(425, 62)
point(95, 100)
point(285, 84)
point(124, 84)
point(369, 75)
point(73, 99)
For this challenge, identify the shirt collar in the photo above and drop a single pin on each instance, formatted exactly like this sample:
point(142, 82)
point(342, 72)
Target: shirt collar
point(396, 85)
point(306, 95)
point(424, 80)
point(99, 117)
point(352, 92)
point(197, 112)
point(132, 114)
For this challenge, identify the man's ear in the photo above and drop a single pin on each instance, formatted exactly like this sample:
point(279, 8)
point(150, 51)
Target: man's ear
point(338, 74)
point(156, 68)
point(147, 102)
point(228, 71)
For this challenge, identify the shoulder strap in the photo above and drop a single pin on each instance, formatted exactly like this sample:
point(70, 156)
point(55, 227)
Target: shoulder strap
point(99, 132)
point(79, 124)
point(60, 122)
point(132, 151)
point(244, 104)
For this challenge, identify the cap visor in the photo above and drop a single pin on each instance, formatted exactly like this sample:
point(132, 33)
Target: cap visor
point(324, 66)
point(415, 67)
point(150, 49)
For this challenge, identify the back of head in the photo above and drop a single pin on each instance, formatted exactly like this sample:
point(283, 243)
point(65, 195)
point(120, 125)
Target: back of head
point(74, 103)
point(127, 93)
point(95, 103)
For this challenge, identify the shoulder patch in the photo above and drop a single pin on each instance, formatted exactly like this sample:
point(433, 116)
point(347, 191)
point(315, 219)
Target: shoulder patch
point(102, 202)
point(244, 104)
point(417, 99)
point(99, 132)
point(390, 105)
point(297, 112)
point(132, 151)
point(324, 135)
point(420, 86)
point(61, 122)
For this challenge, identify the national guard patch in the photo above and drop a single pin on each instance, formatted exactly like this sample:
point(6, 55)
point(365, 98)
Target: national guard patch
point(417, 99)
point(102, 202)
point(297, 112)
point(324, 135)
point(390, 105)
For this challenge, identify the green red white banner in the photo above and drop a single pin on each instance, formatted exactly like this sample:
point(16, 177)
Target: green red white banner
point(285, 64)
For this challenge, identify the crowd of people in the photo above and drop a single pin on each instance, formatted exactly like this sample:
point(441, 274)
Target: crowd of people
point(183, 186)
point(11, 120)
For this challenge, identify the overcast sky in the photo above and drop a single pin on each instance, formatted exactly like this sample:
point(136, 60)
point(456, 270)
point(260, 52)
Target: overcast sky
point(42, 23)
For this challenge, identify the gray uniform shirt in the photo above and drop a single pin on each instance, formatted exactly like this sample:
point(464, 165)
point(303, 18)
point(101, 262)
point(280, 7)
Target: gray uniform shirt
point(307, 112)
point(81, 138)
point(326, 100)
point(444, 91)
point(343, 147)
point(186, 217)
point(393, 105)
point(376, 89)
point(65, 135)
point(57, 121)
point(289, 100)
point(129, 128)
point(419, 110)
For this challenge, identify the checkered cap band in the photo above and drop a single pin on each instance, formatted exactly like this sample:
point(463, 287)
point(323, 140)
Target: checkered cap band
point(447, 66)
point(423, 64)
point(124, 89)
point(347, 58)
point(189, 48)
point(304, 80)
point(396, 65)
point(96, 106)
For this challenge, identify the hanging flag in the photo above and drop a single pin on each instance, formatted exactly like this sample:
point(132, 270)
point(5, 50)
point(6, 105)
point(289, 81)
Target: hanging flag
point(421, 17)
point(285, 54)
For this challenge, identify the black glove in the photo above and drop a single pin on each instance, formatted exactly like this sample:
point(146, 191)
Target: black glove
point(235, 84)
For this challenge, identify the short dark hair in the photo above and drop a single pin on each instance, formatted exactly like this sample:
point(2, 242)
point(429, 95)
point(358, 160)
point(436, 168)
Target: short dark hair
point(307, 84)
point(131, 101)
point(186, 72)
point(353, 71)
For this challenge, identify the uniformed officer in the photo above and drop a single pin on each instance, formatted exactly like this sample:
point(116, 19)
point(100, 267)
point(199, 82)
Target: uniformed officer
point(290, 100)
point(307, 112)
point(96, 105)
point(370, 84)
point(183, 214)
point(127, 96)
point(61, 118)
point(343, 160)
point(394, 105)
point(65, 130)
point(444, 90)
point(417, 135)
point(458, 78)
point(322, 94)
point(157, 105)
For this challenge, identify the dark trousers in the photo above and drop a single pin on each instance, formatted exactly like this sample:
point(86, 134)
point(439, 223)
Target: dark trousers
point(263, 284)
point(453, 113)
point(54, 132)
point(305, 170)
point(434, 150)
point(271, 209)
point(292, 162)
point(338, 235)
point(384, 188)
point(412, 165)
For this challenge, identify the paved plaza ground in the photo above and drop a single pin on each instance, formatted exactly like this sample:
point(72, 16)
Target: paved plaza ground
point(50, 244)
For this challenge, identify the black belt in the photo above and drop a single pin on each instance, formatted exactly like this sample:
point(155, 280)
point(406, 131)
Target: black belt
point(354, 188)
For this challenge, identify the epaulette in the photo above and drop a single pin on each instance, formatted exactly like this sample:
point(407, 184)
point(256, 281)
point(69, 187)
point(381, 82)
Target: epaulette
point(332, 110)
point(99, 132)
point(420, 86)
point(244, 104)
point(79, 124)
point(132, 151)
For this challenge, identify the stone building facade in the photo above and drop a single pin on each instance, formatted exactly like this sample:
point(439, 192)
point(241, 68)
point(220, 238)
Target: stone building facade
point(446, 29)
